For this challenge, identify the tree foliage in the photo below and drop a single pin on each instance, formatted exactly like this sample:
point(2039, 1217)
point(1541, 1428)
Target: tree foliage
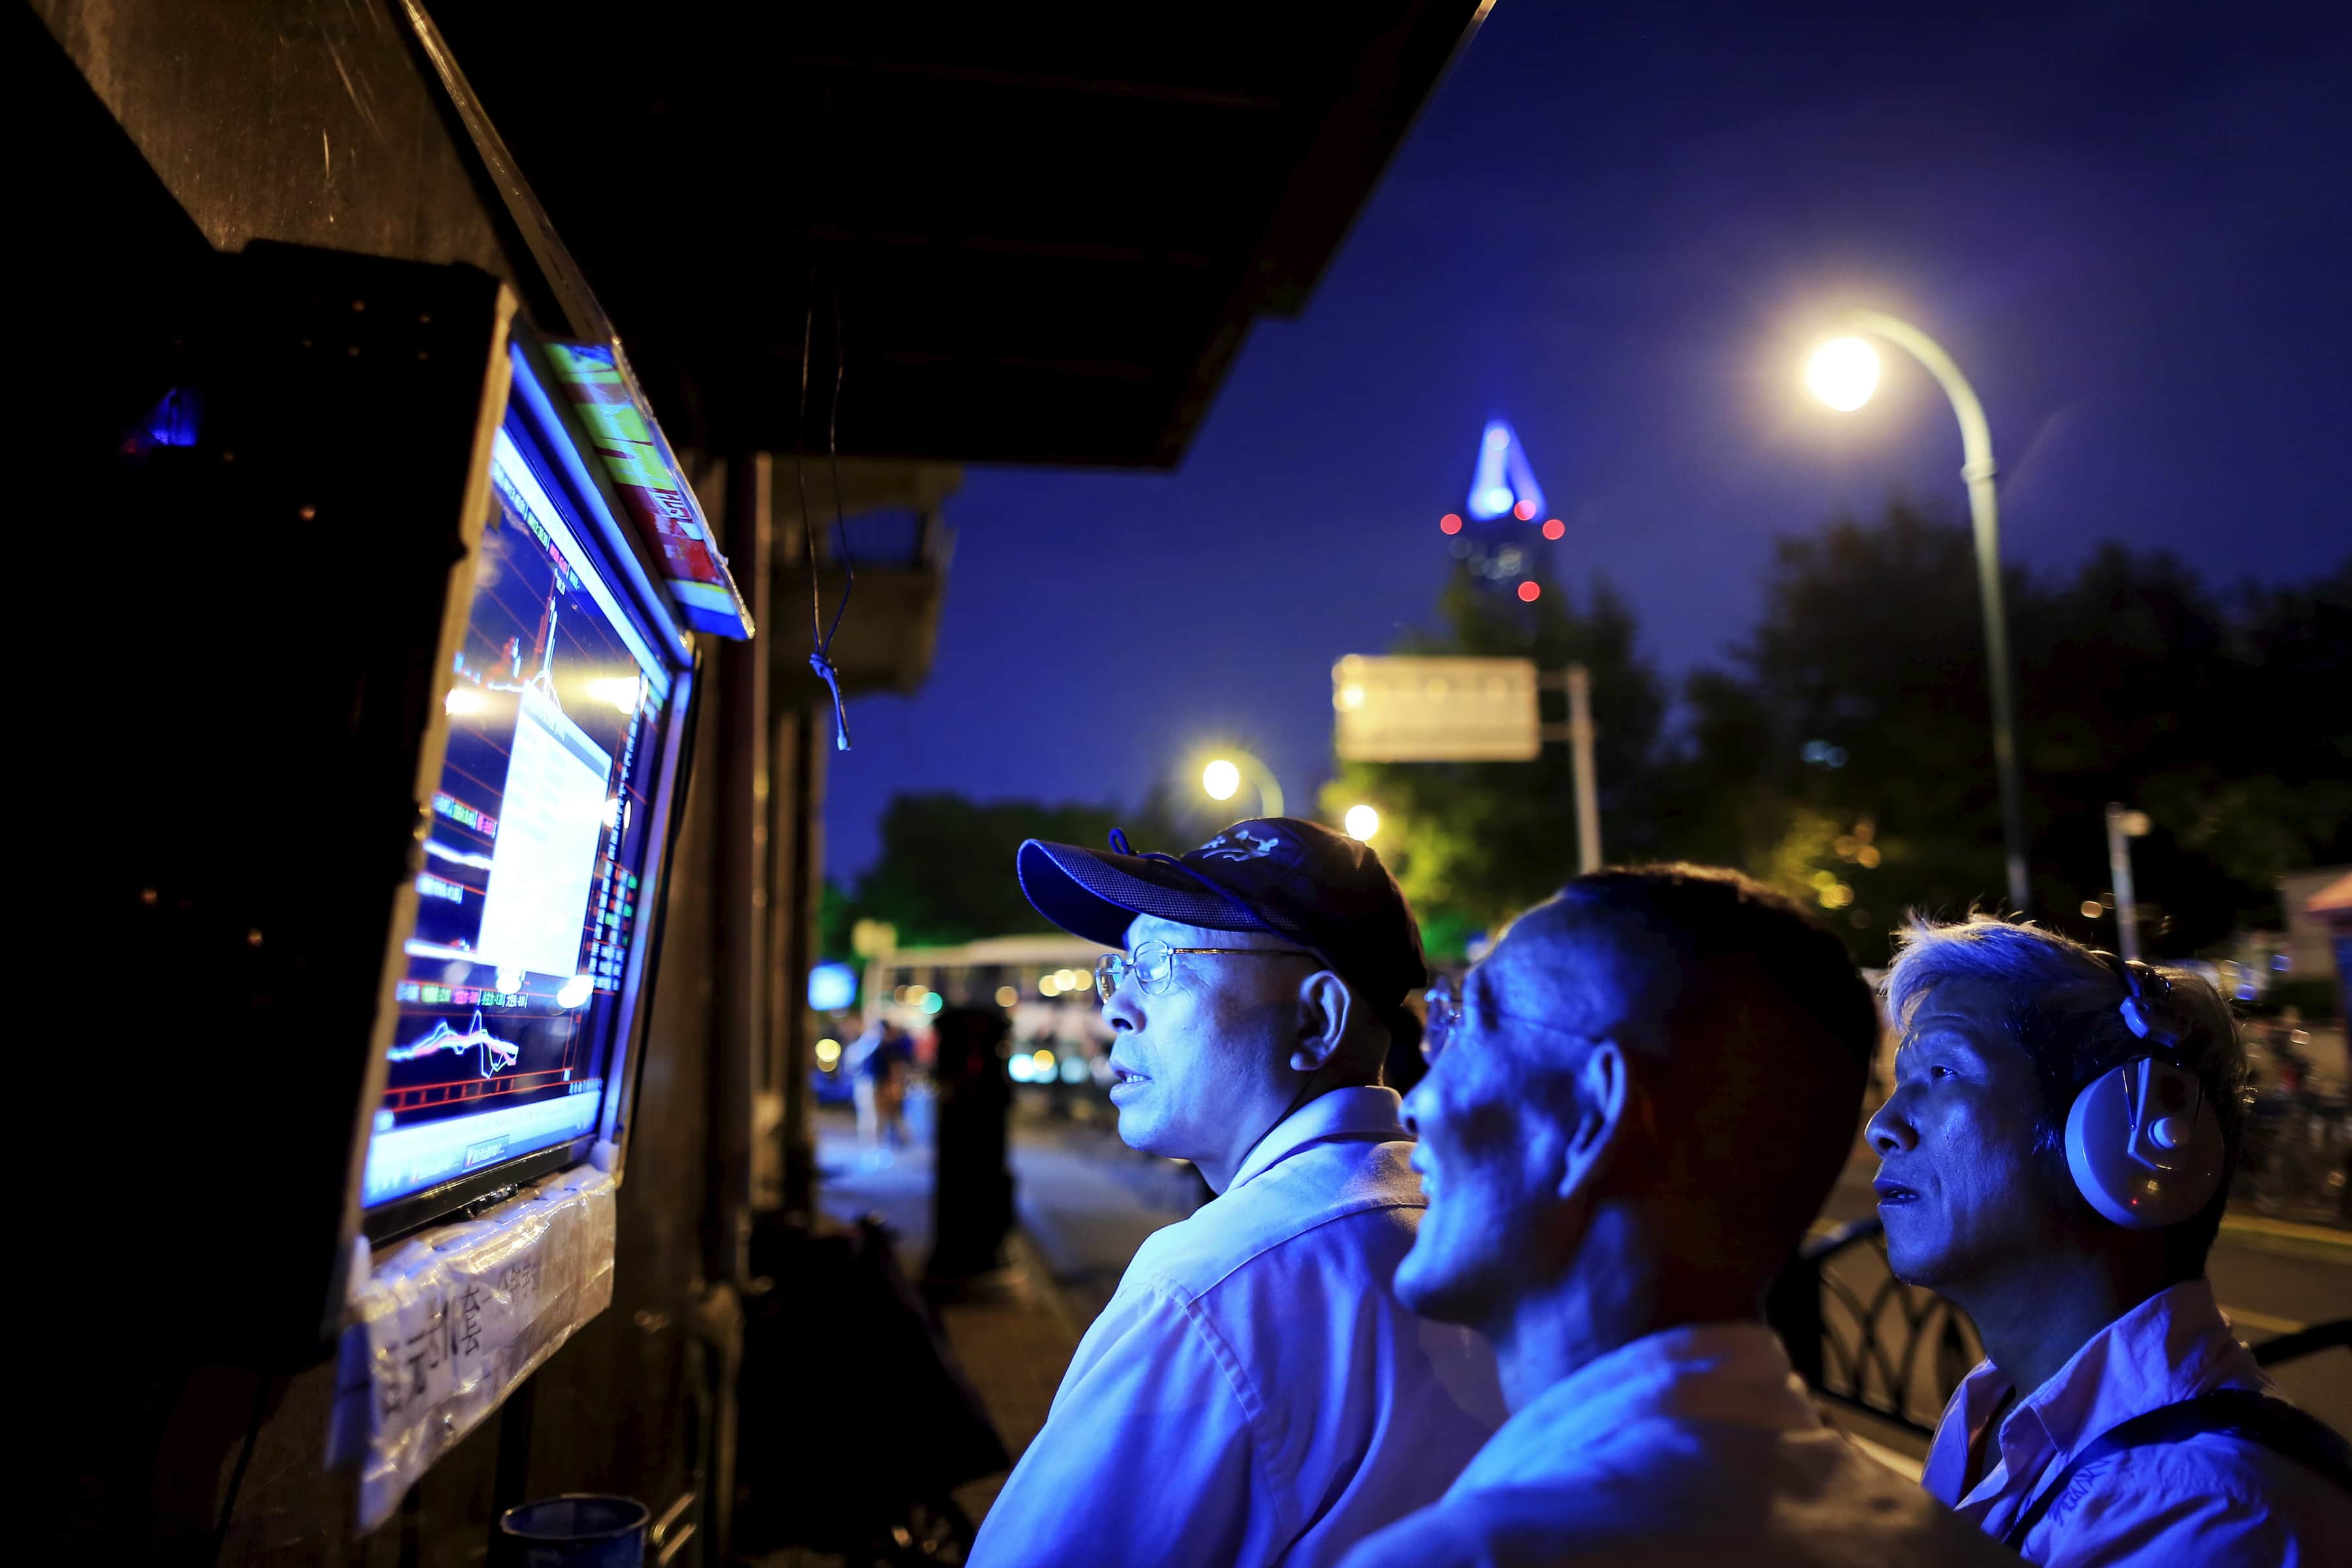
point(1844, 751)
point(1860, 701)
point(945, 872)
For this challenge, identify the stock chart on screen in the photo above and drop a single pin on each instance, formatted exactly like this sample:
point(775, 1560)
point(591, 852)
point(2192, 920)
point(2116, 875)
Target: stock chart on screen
point(528, 903)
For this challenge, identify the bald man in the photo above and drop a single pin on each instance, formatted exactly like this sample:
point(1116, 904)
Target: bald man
point(1635, 1106)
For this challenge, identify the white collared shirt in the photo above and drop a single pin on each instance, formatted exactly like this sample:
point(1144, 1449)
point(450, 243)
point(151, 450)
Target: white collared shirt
point(1254, 1392)
point(2209, 1500)
point(1696, 1445)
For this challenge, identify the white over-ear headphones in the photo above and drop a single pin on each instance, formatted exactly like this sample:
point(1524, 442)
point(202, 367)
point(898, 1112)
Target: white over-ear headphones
point(2142, 1139)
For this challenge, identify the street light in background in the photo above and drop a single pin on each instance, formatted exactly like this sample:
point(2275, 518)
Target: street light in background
point(1362, 823)
point(1843, 372)
point(1223, 778)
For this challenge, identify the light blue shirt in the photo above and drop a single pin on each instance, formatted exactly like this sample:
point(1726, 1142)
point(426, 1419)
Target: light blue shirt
point(1693, 1446)
point(1255, 1392)
point(2210, 1500)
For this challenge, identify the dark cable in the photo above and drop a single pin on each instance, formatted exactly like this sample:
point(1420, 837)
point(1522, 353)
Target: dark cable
point(799, 467)
point(821, 659)
point(244, 1457)
point(821, 640)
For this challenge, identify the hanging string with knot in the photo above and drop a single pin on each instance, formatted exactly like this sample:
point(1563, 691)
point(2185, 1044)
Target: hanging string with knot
point(821, 651)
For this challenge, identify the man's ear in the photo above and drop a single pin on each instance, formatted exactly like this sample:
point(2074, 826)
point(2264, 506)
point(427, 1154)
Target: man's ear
point(1604, 1089)
point(1325, 1005)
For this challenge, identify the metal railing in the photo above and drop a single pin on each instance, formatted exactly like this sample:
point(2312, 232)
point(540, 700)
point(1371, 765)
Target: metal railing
point(1863, 1340)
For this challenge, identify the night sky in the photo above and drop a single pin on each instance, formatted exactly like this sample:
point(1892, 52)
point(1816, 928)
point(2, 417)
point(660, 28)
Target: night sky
point(1621, 227)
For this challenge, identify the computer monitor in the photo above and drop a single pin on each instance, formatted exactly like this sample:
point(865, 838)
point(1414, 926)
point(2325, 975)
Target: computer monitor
point(537, 887)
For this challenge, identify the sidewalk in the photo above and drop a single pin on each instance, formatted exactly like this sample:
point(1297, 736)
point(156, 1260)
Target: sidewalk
point(1011, 1331)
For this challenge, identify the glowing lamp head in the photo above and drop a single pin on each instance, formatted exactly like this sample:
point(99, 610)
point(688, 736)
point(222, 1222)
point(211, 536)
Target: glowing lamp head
point(1843, 373)
point(1362, 823)
point(1221, 779)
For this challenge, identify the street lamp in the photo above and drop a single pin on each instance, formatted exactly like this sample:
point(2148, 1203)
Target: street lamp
point(1843, 372)
point(1221, 779)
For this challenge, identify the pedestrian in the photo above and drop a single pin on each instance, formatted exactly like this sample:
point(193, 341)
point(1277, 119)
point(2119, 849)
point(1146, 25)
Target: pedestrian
point(1636, 1106)
point(2055, 1160)
point(1255, 1392)
point(878, 1061)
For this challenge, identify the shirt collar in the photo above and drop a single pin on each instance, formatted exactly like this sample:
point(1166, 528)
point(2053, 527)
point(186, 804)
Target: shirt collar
point(1734, 1373)
point(1364, 1112)
point(2173, 1346)
point(2168, 1348)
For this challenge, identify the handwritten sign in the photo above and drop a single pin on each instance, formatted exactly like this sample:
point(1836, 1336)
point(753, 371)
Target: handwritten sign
point(439, 1334)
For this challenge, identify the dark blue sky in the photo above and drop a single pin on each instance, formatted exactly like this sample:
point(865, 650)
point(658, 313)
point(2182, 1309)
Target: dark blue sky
point(2131, 225)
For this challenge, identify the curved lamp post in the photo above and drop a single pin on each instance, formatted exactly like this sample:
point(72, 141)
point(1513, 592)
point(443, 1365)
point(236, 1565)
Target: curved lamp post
point(1223, 777)
point(1843, 372)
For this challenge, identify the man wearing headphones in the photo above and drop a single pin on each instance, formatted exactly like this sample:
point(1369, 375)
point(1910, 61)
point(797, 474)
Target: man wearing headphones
point(2054, 1159)
point(1254, 1392)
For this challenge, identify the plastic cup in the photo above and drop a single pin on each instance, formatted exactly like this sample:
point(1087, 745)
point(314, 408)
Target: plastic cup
point(578, 1530)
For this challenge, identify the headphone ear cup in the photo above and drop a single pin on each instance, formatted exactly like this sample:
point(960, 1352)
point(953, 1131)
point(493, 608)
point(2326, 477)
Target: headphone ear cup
point(2123, 1166)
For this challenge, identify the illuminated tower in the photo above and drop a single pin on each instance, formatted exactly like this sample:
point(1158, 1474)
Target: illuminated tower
point(1489, 534)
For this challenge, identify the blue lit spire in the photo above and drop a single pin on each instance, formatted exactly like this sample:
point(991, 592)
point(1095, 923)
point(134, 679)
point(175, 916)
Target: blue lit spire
point(1504, 483)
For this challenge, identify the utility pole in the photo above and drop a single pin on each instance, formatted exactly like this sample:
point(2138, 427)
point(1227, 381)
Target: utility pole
point(2123, 827)
point(1579, 741)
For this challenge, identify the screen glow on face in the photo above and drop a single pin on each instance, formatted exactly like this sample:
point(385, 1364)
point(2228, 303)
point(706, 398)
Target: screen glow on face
point(529, 898)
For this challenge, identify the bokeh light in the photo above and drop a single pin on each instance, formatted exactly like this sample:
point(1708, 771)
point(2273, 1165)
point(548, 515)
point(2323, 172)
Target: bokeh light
point(1221, 779)
point(1530, 592)
point(1362, 823)
point(1450, 523)
point(1554, 528)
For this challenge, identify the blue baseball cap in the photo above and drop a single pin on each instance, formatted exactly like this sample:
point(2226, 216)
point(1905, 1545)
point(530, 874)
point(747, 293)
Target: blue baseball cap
point(1299, 880)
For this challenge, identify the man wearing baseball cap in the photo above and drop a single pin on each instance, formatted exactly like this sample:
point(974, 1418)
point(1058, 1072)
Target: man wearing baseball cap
point(1255, 1392)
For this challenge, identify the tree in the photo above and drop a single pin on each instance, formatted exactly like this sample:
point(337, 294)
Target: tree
point(1847, 756)
point(2223, 717)
point(1472, 843)
point(945, 873)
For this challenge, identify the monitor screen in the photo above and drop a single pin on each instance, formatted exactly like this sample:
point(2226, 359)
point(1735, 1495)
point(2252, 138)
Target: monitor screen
point(511, 1013)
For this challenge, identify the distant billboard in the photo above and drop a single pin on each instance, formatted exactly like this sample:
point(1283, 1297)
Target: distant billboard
point(1436, 710)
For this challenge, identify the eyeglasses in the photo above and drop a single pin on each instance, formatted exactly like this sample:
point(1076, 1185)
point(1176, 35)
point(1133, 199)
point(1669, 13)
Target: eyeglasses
point(1153, 963)
point(1447, 1017)
point(1443, 1021)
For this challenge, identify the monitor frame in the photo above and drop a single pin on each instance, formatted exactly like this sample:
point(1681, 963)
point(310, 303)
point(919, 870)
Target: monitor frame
point(560, 439)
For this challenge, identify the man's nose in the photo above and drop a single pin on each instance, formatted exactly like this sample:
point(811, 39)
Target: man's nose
point(1890, 1130)
point(1120, 1012)
point(1409, 1112)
